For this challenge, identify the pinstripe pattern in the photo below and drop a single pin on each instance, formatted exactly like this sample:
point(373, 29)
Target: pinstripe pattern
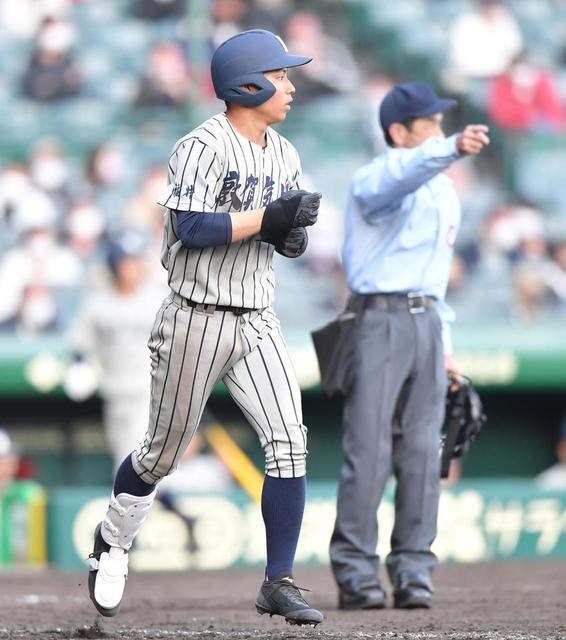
point(215, 169)
point(191, 351)
point(211, 169)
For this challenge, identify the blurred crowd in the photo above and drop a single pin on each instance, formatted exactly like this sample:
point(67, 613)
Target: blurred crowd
point(62, 203)
point(57, 222)
point(522, 92)
point(513, 266)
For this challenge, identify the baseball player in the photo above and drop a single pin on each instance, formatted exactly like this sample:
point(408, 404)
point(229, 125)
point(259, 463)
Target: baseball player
point(108, 339)
point(233, 198)
point(402, 219)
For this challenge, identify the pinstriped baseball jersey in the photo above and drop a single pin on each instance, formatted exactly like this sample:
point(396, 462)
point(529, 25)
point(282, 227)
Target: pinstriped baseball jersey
point(215, 169)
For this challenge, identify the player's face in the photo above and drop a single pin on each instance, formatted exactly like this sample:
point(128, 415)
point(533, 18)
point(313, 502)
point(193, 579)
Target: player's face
point(279, 105)
point(422, 129)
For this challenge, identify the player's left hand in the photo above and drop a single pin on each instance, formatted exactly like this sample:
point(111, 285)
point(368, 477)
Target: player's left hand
point(295, 243)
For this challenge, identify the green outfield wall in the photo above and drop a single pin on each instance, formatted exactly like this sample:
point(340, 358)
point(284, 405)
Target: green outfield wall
point(478, 521)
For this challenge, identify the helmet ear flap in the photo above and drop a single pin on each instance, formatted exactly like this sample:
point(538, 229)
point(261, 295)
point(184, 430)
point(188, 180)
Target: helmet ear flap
point(237, 94)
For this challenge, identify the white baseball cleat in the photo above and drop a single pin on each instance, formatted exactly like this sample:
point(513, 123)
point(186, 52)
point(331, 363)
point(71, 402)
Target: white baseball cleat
point(108, 570)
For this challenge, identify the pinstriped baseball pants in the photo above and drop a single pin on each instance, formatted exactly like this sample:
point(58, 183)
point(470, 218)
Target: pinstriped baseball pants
point(191, 351)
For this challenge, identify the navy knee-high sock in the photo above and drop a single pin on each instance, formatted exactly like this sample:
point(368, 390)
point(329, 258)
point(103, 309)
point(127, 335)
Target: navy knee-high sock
point(282, 506)
point(128, 481)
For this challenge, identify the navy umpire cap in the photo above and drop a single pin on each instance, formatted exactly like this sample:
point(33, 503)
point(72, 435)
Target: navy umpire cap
point(411, 100)
point(243, 59)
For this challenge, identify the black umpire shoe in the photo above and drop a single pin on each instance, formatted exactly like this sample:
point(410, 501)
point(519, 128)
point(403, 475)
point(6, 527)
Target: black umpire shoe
point(281, 597)
point(412, 592)
point(366, 596)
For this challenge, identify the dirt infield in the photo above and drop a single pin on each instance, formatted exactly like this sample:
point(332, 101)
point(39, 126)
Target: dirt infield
point(507, 600)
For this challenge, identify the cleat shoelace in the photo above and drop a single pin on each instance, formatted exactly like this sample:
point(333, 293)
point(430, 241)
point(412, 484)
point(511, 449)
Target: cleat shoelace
point(292, 592)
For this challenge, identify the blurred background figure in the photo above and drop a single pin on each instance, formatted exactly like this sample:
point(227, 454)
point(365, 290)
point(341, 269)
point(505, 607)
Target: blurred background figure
point(166, 81)
point(227, 17)
point(531, 295)
point(51, 73)
point(334, 69)
point(141, 210)
point(84, 227)
point(482, 44)
point(9, 462)
point(21, 204)
point(38, 280)
point(50, 172)
point(109, 340)
point(526, 98)
point(554, 478)
point(24, 23)
point(556, 277)
point(104, 167)
point(158, 9)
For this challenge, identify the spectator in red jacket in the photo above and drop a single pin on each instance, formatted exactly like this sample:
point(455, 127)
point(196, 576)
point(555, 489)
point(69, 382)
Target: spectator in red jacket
point(526, 98)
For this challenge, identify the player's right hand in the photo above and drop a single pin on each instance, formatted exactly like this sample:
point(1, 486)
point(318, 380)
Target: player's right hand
point(473, 139)
point(295, 208)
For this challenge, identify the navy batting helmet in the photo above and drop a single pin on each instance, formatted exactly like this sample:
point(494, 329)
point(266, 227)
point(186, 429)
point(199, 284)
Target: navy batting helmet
point(243, 58)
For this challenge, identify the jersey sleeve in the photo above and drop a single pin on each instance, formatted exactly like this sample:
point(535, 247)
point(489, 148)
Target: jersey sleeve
point(194, 172)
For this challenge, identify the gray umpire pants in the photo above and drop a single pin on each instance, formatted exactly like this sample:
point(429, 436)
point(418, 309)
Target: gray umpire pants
point(392, 421)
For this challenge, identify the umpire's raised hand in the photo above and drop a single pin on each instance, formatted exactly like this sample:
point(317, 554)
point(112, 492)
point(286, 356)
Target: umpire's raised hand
point(473, 139)
point(295, 208)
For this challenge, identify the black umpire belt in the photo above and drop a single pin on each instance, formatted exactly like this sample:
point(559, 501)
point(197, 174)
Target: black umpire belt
point(413, 302)
point(209, 309)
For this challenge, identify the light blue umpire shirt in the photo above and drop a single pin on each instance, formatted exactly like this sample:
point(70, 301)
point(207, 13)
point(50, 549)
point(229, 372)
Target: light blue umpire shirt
point(402, 219)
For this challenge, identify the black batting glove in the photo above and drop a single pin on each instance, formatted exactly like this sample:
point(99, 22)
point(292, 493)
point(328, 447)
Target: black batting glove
point(295, 243)
point(295, 208)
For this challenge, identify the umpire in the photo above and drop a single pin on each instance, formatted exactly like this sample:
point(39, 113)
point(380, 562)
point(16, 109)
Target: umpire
point(402, 218)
